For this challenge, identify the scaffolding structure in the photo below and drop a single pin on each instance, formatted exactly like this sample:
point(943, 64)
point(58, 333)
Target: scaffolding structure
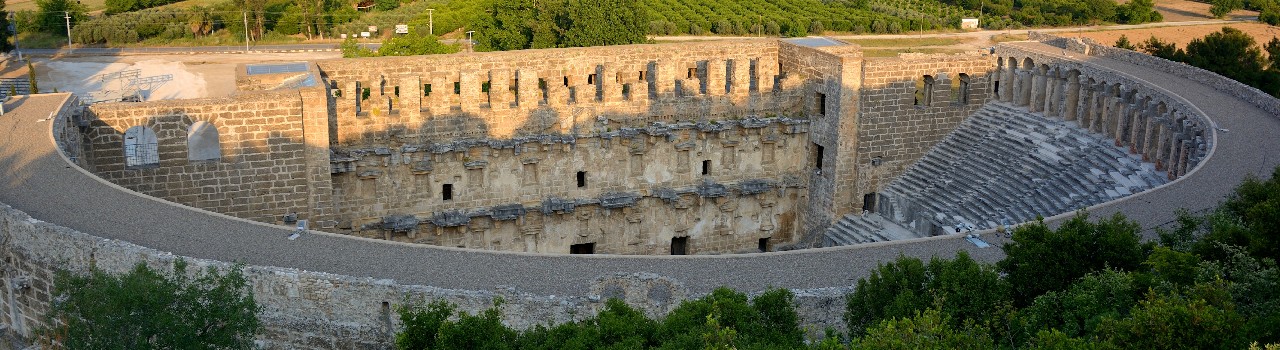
point(125, 86)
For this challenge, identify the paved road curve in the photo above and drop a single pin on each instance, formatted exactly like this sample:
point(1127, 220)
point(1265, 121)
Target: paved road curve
point(40, 182)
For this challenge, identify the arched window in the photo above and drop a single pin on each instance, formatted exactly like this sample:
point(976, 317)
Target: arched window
point(140, 147)
point(924, 91)
point(202, 142)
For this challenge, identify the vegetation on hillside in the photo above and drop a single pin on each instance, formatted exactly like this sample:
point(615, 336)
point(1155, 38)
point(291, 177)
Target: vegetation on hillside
point(1229, 52)
point(148, 309)
point(502, 25)
point(1211, 282)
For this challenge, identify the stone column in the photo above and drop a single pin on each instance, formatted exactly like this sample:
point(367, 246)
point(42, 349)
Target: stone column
point(1007, 84)
point(663, 75)
point(716, 77)
point(411, 99)
point(353, 93)
point(499, 89)
point(1038, 83)
point(1025, 81)
point(1051, 93)
point(315, 134)
point(528, 94)
point(441, 95)
point(740, 79)
point(610, 87)
point(469, 94)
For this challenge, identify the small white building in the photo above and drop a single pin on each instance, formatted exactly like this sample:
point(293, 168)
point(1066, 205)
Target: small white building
point(968, 23)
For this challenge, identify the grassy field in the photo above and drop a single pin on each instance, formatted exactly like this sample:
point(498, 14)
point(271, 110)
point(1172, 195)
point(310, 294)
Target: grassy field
point(908, 42)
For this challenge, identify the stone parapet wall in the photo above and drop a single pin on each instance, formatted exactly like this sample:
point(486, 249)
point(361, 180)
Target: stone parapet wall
point(316, 310)
point(261, 174)
point(895, 127)
point(552, 91)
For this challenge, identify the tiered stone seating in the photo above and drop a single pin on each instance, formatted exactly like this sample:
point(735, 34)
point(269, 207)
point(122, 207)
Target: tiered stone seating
point(1003, 164)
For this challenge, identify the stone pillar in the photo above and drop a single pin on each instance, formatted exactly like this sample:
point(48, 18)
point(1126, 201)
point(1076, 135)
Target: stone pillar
point(557, 92)
point(1006, 81)
point(353, 93)
point(315, 134)
point(716, 77)
point(528, 94)
point(1051, 93)
point(1161, 146)
point(610, 87)
point(1025, 81)
point(766, 75)
point(469, 97)
point(411, 99)
point(663, 75)
point(740, 79)
point(441, 95)
point(1038, 83)
point(499, 89)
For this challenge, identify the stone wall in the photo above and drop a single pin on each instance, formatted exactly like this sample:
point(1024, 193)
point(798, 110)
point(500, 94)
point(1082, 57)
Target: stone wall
point(315, 310)
point(553, 91)
point(722, 185)
point(900, 118)
point(260, 174)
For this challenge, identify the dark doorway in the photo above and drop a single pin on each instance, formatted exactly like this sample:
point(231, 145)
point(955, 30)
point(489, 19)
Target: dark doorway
point(582, 179)
point(680, 246)
point(706, 167)
point(447, 192)
point(869, 202)
point(764, 244)
point(583, 248)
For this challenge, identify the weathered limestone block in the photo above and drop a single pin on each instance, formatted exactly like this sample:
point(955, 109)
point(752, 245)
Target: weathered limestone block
point(441, 94)
point(664, 78)
point(410, 98)
point(740, 79)
point(469, 96)
point(609, 85)
point(716, 77)
point(527, 93)
point(500, 89)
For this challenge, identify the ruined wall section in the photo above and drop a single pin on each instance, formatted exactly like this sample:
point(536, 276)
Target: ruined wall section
point(261, 174)
point(499, 95)
point(830, 77)
point(901, 117)
point(723, 185)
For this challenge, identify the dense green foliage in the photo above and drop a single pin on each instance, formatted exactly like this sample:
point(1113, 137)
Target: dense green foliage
point(119, 6)
point(523, 24)
point(1041, 259)
point(410, 44)
point(960, 288)
point(147, 309)
point(6, 36)
point(1229, 52)
point(723, 319)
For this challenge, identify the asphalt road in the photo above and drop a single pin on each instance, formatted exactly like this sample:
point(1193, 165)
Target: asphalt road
point(40, 182)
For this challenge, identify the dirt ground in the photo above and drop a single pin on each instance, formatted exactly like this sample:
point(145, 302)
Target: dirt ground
point(1180, 35)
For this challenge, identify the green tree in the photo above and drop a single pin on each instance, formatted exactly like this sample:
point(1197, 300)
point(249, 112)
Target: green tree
point(769, 320)
point(604, 22)
point(6, 36)
point(1077, 311)
point(51, 15)
point(1220, 8)
point(1163, 49)
point(1138, 11)
point(1041, 260)
point(1123, 43)
point(960, 288)
point(146, 309)
point(351, 48)
point(1201, 319)
point(421, 323)
point(930, 329)
point(414, 44)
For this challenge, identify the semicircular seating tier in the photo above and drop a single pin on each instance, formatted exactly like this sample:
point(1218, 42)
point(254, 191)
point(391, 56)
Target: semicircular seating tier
point(1002, 165)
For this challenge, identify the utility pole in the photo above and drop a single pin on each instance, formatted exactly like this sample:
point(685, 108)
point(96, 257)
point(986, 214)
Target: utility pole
point(431, 22)
point(246, 31)
point(67, 15)
point(471, 45)
point(13, 29)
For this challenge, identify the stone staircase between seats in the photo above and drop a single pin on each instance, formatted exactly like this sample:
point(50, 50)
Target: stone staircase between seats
point(1001, 165)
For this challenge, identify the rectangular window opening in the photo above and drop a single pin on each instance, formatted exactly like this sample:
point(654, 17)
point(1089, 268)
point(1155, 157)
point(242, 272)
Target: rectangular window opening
point(642, 75)
point(817, 156)
point(693, 72)
point(706, 167)
point(821, 99)
point(447, 192)
point(763, 244)
point(426, 89)
point(457, 88)
point(484, 87)
point(583, 248)
point(397, 91)
point(566, 81)
point(869, 202)
point(680, 246)
point(582, 179)
point(591, 79)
